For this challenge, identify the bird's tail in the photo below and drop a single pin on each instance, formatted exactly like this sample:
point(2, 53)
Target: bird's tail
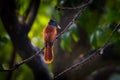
point(48, 53)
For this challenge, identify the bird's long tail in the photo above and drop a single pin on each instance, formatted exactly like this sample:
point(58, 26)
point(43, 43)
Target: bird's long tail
point(48, 52)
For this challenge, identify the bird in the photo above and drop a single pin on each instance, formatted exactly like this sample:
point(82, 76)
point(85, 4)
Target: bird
point(49, 36)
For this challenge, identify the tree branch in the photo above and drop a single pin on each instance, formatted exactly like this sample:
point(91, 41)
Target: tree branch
point(89, 57)
point(74, 17)
point(23, 61)
point(74, 8)
point(109, 39)
point(31, 12)
point(27, 12)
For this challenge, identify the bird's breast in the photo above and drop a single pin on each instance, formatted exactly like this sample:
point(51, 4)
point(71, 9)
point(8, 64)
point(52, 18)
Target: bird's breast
point(49, 33)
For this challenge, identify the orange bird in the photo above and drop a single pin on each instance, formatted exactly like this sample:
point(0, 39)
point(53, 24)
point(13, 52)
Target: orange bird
point(49, 36)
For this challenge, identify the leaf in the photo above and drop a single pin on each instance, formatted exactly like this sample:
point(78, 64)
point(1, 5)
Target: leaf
point(100, 37)
point(74, 32)
point(93, 40)
point(88, 21)
point(66, 42)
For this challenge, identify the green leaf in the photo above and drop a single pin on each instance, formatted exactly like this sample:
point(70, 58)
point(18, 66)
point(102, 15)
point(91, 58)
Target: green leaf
point(101, 37)
point(93, 40)
point(98, 38)
point(74, 32)
point(66, 42)
point(88, 21)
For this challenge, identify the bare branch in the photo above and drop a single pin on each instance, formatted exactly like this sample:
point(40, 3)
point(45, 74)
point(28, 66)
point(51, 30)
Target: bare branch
point(30, 58)
point(109, 39)
point(74, 18)
point(73, 8)
point(23, 61)
point(86, 59)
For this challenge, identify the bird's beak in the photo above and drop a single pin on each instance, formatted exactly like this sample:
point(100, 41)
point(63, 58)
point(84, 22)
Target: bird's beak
point(58, 27)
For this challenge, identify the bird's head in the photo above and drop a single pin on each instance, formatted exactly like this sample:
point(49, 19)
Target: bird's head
point(54, 24)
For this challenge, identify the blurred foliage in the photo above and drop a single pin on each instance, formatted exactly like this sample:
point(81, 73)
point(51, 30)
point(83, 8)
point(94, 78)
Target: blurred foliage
point(115, 77)
point(101, 35)
point(22, 6)
point(68, 37)
point(5, 45)
point(98, 26)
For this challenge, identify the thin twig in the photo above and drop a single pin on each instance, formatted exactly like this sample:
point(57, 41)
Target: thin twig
point(74, 18)
point(80, 64)
point(73, 8)
point(30, 58)
point(109, 39)
point(74, 66)
point(23, 61)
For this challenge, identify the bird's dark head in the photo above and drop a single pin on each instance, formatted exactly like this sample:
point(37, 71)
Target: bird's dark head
point(53, 23)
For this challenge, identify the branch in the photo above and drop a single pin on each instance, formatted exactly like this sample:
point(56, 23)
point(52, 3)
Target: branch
point(31, 12)
point(27, 12)
point(86, 59)
point(109, 39)
point(74, 18)
point(74, 8)
point(23, 61)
